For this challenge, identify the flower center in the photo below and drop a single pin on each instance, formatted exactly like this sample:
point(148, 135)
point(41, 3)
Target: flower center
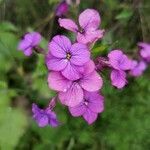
point(68, 56)
point(81, 30)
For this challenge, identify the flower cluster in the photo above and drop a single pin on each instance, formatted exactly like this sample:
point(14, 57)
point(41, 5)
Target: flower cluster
point(72, 72)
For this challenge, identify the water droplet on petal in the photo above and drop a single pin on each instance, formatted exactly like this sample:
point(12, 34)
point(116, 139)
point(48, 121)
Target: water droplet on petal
point(64, 90)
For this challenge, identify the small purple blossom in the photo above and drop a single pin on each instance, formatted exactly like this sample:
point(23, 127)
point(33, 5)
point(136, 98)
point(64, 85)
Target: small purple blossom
point(44, 117)
point(145, 51)
point(138, 68)
point(89, 21)
point(118, 78)
point(119, 63)
point(118, 60)
point(29, 41)
point(62, 9)
point(90, 107)
point(71, 92)
point(67, 58)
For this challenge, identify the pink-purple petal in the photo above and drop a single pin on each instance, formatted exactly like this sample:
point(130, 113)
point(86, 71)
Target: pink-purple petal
point(91, 82)
point(55, 64)
point(72, 72)
point(27, 51)
point(119, 61)
point(89, 18)
point(36, 38)
point(90, 116)
point(118, 78)
point(59, 45)
point(96, 102)
point(68, 24)
point(80, 54)
point(78, 110)
point(73, 96)
point(89, 67)
point(138, 68)
point(90, 36)
point(58, 82)
point(24, 44)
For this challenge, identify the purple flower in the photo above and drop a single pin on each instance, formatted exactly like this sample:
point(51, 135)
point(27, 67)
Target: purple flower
point(71, 92)
point(118, 78)
point(62, 9)
point(44, 117)
point(67, 58)
point(90, 107)
point(138, 68)
point(119, 63)
point(118, 60)
point(29, 41)
point(89, 21)
point(145, 51)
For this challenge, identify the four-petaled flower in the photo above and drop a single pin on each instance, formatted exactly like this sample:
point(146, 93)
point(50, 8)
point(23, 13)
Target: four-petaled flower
point(71, 92)
point(89, 21)
point(29, 41)
point(67, 58)
point(90, 107)
point(119, 63)
point(44, 117)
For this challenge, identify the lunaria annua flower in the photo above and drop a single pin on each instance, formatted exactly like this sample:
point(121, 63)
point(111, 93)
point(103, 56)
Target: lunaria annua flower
point(90, 107)
point(62, 9)
point(145, 51)
point(71, 92)
point(119, 63)
point(44, 117)
point(137, 68)
point(29, 41)
point(89, 21)
point(67, 58)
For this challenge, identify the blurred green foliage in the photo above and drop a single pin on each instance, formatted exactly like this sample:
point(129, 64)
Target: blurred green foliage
point(125, 123)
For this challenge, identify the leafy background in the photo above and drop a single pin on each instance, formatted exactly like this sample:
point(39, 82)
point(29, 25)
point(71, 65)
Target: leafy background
point(125, 123)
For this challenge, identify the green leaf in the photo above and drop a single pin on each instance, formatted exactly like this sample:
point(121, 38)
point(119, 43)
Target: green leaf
point(125, 14)
point(7, 26)
point(12, 126)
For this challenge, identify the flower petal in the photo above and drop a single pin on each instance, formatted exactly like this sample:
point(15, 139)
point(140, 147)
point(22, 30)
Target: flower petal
point(73, 96)
point(28, 51)
point(80, 54)
point(90, 116)
point(138, 68)
point(119, 61)
point(42, 120)
point(68, 24)
point(56, 64)
point(72, 72)
point(59, 45)
point(89, 18)
point(58, 82)
point(118, 78)
point(95, 101)
point(36, 38)
point(89, 67)
point(78, 110)
point(91, 82)
point(24, 44)
point(90, 36)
